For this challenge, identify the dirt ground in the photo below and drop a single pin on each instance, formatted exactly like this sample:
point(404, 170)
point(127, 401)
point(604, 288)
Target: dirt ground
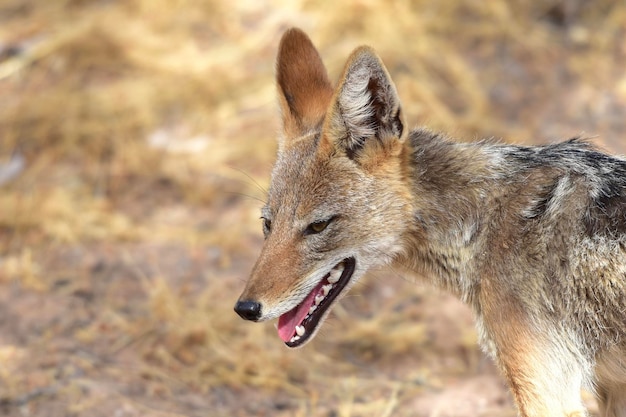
point(136, 141)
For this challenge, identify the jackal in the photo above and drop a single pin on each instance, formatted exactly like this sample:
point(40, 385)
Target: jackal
point(533, 239)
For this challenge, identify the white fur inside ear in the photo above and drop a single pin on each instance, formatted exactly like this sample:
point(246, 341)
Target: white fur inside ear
point(356, 107)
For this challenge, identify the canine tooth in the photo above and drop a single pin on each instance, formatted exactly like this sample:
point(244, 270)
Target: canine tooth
point(312, 309)
point(335, 274)
point(326, 289)
point(318, 299)
point(300, 330)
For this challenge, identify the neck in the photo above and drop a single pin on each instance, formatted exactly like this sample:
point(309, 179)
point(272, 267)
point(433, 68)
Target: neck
point(452, 186)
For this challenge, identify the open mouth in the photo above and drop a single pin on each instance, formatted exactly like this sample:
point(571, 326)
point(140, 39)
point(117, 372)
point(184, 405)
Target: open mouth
point(296, 326)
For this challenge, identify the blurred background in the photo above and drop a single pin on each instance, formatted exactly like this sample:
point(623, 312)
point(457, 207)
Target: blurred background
point(136, 141)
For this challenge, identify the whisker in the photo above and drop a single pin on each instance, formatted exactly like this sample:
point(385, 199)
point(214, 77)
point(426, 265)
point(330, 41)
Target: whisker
point(255, 182)
point(245, 195)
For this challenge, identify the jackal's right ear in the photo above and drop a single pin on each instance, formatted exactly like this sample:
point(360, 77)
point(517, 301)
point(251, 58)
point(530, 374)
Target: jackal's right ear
point(304, 90)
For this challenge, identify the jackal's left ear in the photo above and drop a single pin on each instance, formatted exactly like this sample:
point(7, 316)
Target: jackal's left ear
point(365, 105)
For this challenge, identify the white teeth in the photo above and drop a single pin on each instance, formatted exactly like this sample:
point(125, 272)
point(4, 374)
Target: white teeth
point(300, 330)
point(318, 299)
point(326, 289)
point(294, 339)
point(335, 274)
point(312, 309)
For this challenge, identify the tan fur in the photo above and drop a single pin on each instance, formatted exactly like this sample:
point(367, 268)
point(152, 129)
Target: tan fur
point(303, 104)
point(533, 239)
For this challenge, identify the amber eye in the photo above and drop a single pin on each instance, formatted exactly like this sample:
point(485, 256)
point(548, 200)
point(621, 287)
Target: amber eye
point(317, 227)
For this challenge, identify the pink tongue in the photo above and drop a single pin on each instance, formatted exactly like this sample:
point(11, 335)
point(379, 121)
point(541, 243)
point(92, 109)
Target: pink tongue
point(287, 322)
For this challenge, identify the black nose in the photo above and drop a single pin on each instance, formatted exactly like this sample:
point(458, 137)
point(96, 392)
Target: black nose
point(249, 310)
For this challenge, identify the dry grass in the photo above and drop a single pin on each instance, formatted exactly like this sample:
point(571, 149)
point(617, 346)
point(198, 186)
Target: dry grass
point(147, 134)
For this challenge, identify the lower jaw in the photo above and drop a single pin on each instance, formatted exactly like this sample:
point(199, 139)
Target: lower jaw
point(311, 324)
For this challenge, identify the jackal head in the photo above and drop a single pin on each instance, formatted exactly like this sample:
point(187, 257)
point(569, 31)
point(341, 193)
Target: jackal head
point(339, 200)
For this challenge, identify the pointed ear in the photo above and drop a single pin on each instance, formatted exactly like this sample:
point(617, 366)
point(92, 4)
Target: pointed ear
point(304, 90)
point(365, 106)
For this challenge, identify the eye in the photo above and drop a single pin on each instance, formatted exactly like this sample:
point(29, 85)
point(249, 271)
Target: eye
point(267, 225)
point(317, 227)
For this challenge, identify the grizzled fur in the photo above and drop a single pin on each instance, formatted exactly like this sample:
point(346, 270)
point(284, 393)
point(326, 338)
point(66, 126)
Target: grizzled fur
point(532, 238)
